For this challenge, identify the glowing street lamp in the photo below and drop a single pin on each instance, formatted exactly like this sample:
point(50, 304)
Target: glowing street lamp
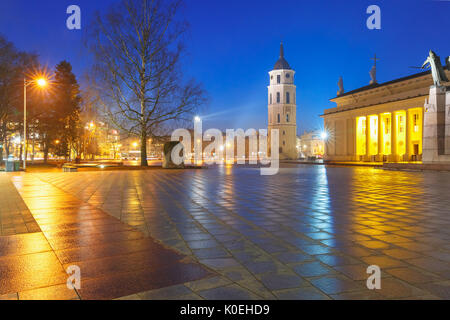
point(324, 135)
point(42, 83)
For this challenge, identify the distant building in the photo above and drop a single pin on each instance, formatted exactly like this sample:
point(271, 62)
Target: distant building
point(311, 144)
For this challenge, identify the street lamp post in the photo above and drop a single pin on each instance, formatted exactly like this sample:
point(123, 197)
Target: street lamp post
point(41, 82)
point(25, 84)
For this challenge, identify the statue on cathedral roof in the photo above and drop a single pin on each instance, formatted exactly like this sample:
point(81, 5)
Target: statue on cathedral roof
point(341, 86)
point(373, 71)
point(437, 71)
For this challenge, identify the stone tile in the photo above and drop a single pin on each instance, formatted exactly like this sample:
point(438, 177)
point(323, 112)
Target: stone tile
point(412, 276)
point(438, 289)
point(304, 293)
point(168, 293)
point(202, 244)
point(335, 260)
point(383, 262)
point(282, 281)
point(335, 284)
point(291, 257)
point(237, 273)
point(317, 249)
point(358, 295)
point(354, 272)
point(401, 254)
point(208, 283)
point(256, 287)
point(10, 296)
point(430, 264)
point(392, 288)
point(230, 292)
point(220, 263)
point(210, 253)
point(60, 292)
point(261, 267)
point(311, 269)
point(130, 297)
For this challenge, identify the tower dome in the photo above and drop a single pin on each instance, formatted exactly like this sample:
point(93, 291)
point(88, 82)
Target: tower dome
point(282, 63)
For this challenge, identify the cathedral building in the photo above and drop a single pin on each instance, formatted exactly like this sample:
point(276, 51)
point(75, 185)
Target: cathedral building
point(379, 122)
point(283, 107)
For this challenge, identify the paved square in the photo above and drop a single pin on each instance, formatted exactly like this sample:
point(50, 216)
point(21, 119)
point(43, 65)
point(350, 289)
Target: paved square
point(309, 232)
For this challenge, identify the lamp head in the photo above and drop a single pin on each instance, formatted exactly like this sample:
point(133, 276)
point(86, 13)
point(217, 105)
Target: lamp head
point(41, 82)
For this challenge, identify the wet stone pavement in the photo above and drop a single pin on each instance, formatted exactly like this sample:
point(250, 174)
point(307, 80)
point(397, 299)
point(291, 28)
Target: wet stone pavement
point(309, 232)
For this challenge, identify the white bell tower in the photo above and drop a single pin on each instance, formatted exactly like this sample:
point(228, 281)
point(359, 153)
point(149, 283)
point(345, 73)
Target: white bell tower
point(283, 107)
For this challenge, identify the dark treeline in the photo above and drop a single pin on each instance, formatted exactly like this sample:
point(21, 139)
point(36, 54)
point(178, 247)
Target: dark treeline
point(54, 119)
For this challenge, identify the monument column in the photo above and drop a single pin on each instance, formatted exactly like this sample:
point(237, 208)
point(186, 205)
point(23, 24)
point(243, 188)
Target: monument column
point(434, 126)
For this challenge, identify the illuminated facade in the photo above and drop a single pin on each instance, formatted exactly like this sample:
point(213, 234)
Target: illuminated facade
point(379, 122)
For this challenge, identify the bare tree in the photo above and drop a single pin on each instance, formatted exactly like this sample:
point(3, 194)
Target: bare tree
point(138, 49)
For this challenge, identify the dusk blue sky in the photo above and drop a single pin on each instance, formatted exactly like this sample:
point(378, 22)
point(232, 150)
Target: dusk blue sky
point(233, 44)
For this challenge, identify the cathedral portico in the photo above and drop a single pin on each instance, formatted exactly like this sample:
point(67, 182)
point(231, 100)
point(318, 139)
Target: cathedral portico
point(380, 122)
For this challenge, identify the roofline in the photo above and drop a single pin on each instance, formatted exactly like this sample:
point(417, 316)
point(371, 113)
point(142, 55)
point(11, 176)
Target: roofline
point(371, 105)
point(374, 86)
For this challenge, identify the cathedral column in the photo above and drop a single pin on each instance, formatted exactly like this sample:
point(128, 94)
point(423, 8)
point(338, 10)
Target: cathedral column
point(380, 139)
point(393, 137)
point(407, 137)
point(368, 138)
